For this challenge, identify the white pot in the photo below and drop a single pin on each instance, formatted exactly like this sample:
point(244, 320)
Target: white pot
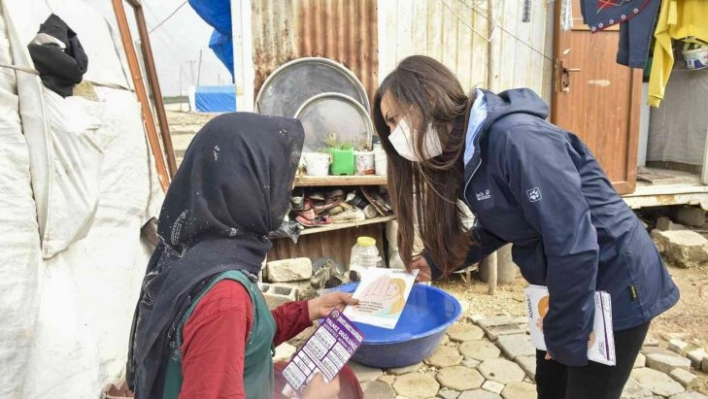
point(317, 163)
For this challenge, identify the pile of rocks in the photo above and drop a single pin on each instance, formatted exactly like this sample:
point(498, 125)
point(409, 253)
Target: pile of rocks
point(681, 246)
point(492, 358)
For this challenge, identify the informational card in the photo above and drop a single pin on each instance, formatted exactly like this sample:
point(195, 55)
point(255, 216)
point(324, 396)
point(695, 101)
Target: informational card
point(382, 295)
point(601, 343)
point(325, 352)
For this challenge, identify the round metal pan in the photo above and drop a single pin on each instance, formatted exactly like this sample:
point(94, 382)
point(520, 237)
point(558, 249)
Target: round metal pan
point(335, 113)
point(289, 86)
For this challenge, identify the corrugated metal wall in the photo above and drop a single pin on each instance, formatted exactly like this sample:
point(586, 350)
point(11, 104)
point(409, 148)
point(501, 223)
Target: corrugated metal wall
point(343, 30)
point(456, 32)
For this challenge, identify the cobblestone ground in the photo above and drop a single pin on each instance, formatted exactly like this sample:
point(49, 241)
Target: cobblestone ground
point(492, 358)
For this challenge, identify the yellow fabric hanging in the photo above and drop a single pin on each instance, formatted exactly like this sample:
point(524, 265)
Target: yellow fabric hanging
point(678, 19)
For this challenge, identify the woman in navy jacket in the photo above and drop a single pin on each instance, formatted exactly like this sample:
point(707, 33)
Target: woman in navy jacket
point(531, 184)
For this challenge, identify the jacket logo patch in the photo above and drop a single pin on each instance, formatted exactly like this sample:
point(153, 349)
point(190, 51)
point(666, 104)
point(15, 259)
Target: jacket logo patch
point(484, 195)
point(534, 194)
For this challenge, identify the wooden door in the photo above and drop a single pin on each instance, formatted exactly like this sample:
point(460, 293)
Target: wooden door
point(596, 98)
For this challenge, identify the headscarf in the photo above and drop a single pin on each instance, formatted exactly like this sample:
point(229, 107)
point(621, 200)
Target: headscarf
point(232, 189)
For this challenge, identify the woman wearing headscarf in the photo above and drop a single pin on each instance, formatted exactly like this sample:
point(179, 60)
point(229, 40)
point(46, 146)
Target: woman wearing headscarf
point(202, 328)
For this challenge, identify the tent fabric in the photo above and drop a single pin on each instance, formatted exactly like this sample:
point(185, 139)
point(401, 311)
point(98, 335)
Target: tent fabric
point(74, 173)
point(65, 320)
point(215, 99)
point(217, 14)
point(20, 259)
point(64, 157)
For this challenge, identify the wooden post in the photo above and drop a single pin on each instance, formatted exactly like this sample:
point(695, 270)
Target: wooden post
point(155, 86)
point(490, 264)
point(134, 65)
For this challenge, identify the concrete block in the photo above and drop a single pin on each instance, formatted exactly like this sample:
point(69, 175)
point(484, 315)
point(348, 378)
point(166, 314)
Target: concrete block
point(696, 356)
point(692, 216)
point(685, 378)
point(640, 361)
point(276, 295)
point(678, 346)
point(664, 224)
point(667, 363)
point(286, 270)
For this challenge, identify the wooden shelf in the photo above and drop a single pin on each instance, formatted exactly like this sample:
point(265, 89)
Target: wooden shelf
point(338, 226)
point(313, 181)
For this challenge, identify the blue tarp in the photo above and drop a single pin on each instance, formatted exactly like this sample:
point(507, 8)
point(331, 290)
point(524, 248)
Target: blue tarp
point(222, 46)
point(215, 99)
point(217, 13)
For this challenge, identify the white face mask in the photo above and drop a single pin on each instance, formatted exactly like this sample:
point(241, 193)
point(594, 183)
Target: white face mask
point(403, 141)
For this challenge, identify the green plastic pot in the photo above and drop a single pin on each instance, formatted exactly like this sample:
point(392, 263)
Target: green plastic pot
point(343, 161)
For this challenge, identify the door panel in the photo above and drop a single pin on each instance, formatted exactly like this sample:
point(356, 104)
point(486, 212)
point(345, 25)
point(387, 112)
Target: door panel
point(598, 99)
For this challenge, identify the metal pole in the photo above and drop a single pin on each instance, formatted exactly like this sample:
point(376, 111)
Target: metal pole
point(155, 86)
point(199, 68)
point(134, 65)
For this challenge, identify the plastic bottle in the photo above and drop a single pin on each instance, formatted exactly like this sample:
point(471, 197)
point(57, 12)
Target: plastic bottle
point(364, 255)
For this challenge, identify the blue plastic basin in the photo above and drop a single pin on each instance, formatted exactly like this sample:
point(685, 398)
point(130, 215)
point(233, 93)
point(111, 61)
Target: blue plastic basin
point(427, 315)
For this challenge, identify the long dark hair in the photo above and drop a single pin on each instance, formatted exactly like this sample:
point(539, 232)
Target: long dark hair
point(428, 191)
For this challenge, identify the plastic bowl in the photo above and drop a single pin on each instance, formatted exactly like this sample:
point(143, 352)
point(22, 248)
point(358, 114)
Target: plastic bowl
point(427, 315)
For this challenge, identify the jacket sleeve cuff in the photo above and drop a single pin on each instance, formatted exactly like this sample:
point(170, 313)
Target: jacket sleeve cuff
point(577, 358)
point(435, 273)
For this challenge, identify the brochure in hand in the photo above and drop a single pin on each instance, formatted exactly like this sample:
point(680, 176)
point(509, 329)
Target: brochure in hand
point(325, 352)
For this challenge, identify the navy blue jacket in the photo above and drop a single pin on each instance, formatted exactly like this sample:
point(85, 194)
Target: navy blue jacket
point(534, 185)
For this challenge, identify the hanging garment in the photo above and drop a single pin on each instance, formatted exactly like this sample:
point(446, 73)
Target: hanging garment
point(636, 19)
point(58, 56)
point(678, 20)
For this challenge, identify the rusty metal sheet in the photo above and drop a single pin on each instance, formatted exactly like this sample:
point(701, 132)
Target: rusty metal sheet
point(345, 31)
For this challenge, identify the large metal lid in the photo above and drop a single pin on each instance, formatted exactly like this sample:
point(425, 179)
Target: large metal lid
point(330, 114)
point(289, 86)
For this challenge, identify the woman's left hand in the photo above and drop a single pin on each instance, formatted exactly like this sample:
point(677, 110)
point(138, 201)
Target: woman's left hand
point(321, 306)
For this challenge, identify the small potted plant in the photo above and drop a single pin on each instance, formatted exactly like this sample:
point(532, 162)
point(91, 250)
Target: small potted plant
point(343, 161)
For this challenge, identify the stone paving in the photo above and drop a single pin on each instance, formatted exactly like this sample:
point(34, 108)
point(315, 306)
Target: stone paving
point(492, 358)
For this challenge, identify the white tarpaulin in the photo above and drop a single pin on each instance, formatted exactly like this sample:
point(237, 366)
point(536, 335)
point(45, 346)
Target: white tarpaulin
point(20, 258)
point(64, 321)
point(65, 159)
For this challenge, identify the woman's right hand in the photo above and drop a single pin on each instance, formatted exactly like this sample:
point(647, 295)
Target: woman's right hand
point(424, 274)
point(318, 389)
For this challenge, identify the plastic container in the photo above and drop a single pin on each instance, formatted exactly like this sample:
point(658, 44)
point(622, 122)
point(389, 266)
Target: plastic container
point(380, 161)
point(364, 255)
point(317, 163)
point(428, 313)
point(343, 161)
point(364, 162)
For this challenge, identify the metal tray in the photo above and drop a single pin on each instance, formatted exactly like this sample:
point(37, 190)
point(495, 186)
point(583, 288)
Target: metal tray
point(289, 86)
point(334, 113)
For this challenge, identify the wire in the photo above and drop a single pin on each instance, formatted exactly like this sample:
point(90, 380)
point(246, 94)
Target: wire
point(496, 25)
point(173, 46)
point(169, 16)
point(32, 71)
